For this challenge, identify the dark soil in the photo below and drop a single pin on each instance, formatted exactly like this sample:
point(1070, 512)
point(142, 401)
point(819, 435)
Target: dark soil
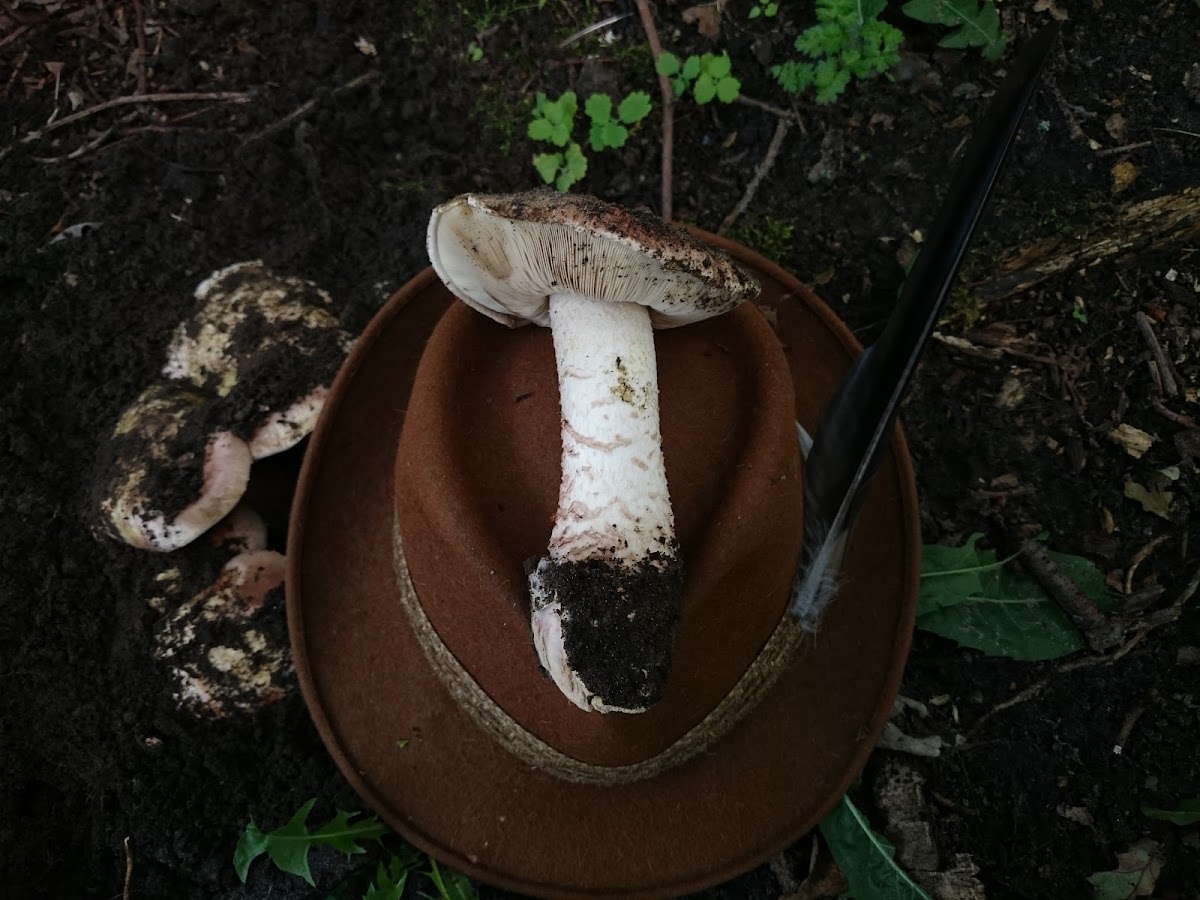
point(95, 751)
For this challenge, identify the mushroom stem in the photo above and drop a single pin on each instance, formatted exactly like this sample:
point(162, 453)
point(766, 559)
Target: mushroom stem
point(606, 596)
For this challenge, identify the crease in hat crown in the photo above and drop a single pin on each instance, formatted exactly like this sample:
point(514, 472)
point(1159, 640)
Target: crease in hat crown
point(605, 598)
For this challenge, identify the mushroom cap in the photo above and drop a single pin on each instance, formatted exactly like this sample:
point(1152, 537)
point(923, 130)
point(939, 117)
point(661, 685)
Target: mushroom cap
point(268, 345)
point(505, 254)
point(167, 479)
point(283, 429)
point(227, 646)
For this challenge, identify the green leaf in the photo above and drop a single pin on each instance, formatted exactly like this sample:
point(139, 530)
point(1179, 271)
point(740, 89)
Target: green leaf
point(967, 596)
point(691, 67)
point(615, 134)
point(451, 885)
point(391, 875)
point(866, 858)
point(1136, 874)
point(250, 846)
point(288, 845)
point(974, 25)
point(949, 573)
point(540, 129)
point(1186, 813)
point(635, 107)
point(574, 167)
point(666, 64)
point(568, 103)
point(793, 76)
point(728, 89)
point(705, 89)
point(717, 66)
point(547, 165)
point(598, 108)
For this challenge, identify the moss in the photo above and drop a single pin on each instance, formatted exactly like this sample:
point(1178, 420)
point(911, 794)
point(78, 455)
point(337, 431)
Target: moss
point(768, 235)
point(500, 115)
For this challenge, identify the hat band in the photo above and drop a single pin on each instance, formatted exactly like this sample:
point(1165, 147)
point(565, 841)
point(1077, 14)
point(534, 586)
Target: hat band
point(781, 650)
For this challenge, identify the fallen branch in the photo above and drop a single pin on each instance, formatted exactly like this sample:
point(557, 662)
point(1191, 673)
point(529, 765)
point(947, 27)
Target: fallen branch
point(781, 130)
point(1101, 632)
point(1148, 225)
point(308, 106)
point(668, 104)
point(218, 96)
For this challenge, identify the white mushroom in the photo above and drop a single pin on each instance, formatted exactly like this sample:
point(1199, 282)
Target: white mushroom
point(605, 598)
point(227, 646)
point(268, 345)
point(167, 479)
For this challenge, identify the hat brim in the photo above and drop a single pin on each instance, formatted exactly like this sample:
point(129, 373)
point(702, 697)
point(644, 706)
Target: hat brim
point(425, 768)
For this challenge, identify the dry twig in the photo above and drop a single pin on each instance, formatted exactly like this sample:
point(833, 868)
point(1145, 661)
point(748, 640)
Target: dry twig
point(668, 103)
point(1101, 632)
point(1139, 558)
point(140, 20)
point(781, 130)
point(773, 110)
point(1127, 728)
point(1177, 418)
point(1160, 358)
point(218, 96)
point(1125, 148)
point(128, 870)
point(306, 107)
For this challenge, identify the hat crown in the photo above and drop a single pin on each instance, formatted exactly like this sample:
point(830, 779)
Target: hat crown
point(477, 477)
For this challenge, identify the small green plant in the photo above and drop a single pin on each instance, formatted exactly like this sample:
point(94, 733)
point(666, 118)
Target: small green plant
point(289, 844)
point(976, 23)
point(607, 131)
point(554, 121)
point(474, 52)
point(288, 847)
point(764, 8)
point(848, 42)
point(709, 76)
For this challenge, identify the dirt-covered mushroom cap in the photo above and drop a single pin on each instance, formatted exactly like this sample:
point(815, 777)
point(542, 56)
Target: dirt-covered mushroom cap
point(166, 478)
point(505, 255)
point(269, 345)
point(605, 598)
point(227, 646)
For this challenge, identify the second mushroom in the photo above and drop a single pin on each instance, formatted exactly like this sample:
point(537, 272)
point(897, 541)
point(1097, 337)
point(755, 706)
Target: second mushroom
point(605, 597)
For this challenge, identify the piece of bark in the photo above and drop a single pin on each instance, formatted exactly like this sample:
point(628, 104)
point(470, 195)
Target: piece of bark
point(1136, 228)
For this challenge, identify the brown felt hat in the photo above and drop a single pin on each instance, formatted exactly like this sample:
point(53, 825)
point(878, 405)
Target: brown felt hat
point(432, 479)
